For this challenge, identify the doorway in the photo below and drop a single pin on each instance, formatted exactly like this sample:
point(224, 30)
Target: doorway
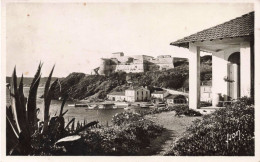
point(233, 76)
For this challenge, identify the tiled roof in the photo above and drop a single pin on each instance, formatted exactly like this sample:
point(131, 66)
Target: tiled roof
point(172, 96)
point(136, 88)
point(117, 93)
point(238, 27)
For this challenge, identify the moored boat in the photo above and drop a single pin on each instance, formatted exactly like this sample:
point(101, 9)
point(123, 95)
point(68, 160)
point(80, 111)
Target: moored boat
point(92, 106)
point(81, 105)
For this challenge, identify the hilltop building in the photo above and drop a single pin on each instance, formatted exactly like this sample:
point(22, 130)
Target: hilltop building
point(134, 64)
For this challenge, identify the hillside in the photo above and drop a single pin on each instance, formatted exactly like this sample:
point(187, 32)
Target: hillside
point(81, 86)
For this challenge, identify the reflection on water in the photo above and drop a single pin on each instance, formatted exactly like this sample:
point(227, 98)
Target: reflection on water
point(80, 113)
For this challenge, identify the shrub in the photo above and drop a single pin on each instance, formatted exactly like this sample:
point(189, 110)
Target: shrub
point(128, 137)
point(228, 131)
point(125, 117)
point(185, 110)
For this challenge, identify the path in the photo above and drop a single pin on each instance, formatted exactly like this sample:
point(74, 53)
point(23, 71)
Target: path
point(175, 127)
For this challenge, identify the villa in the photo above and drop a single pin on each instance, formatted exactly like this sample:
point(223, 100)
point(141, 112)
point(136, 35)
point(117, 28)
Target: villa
point(232, 47)
point(132, 94)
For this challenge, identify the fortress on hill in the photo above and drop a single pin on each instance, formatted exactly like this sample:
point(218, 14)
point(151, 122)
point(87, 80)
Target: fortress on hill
point(134, 64)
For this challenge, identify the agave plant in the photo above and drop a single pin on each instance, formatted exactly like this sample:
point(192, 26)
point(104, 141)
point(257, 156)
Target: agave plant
point(25, 132)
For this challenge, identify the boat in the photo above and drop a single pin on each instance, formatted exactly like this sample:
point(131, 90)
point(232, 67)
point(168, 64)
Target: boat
point(114, 107)
point(127, 108)
point(121, 104)
point(81, 105)
point(101, 106)
point(92, 106)
point(145, 105)
point(78, 105)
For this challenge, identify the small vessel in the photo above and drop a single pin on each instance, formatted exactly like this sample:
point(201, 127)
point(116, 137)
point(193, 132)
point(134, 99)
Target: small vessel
point(127, 108)
point(121, 104)
point(77, 105)
point(145, 105)
point(101, 106)
point(161, 104)
point(114, 107)
point(81, 105)
point(92, 106)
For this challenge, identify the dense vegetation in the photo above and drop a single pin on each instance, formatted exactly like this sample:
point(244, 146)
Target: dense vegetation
point(28, 135)
point(228, 131)
point(180, 110)
point(130, 134)
point(80, 86)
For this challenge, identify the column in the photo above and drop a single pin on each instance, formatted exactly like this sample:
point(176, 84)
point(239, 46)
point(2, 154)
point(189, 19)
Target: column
point(245, 69)
point(194, 77)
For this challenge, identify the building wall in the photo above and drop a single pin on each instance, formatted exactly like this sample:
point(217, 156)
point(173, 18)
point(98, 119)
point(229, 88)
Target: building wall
point(161, 96)
point(219, 71)
point(134, 68)
point(130, 95)
point(141, 94)
point(116, 97)
point(135, 64)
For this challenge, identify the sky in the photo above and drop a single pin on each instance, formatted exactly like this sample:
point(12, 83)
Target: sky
point(74, 36)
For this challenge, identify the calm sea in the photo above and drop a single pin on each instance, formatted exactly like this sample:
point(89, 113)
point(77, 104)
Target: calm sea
point(79, 113)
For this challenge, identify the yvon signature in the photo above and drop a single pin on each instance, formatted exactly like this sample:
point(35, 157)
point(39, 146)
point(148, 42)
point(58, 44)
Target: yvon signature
point(233, 136)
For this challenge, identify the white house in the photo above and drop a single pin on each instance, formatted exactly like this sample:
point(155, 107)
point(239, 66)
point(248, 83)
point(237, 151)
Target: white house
point(160, 94)
point(137, 94)
point(116, 96)
point(232, 47)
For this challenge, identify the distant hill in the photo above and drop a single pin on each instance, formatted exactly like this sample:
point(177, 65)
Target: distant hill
point(81, 86)
point(28, 80)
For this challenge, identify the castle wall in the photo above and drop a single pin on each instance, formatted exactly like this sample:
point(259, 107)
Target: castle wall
point(135, 64)
point(133, 68)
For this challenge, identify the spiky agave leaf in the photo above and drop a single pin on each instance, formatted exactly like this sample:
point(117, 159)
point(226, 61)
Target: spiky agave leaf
point(73, 125)
point(63, 104)
point(86, 126)
point(47, 84)
point(15, 100)
point(64, 113)
point(31, 106)
point(47, 102)
point(11, 122)
point(23, 108)
point(12, 134)
point(67, 126)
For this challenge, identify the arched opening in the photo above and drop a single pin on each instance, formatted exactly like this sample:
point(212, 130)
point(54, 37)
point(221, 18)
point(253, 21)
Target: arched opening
point(233, 76)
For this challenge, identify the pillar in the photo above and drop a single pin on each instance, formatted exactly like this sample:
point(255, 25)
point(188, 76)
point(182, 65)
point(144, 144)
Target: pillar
point(194, 77)
point(245, 69)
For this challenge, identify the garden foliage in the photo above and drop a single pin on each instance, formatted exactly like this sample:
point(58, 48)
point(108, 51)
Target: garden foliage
point(228, 132)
